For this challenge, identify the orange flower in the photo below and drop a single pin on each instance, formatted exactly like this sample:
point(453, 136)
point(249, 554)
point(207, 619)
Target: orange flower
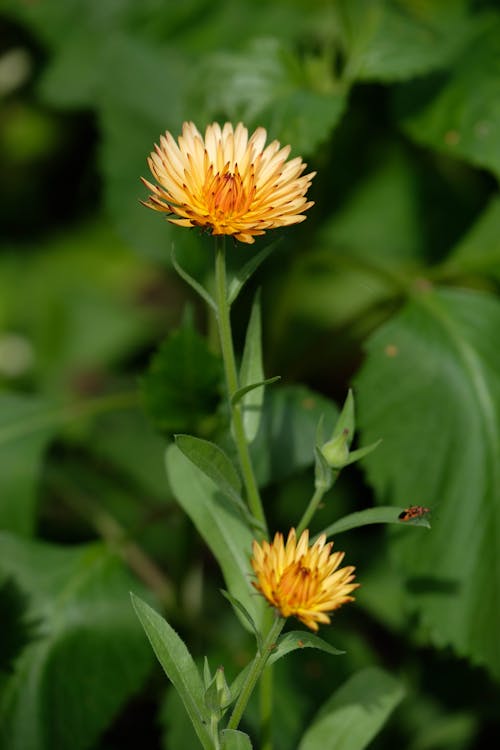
point(300, 580)
point(227, 182)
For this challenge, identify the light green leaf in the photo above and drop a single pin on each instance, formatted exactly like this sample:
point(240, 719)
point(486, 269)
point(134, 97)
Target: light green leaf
point(382, 514)
point(233, 739)
point(391, 41)
point(88, 652)
point(179, 666)
point(25, 430)
point(221, 526)
point(251, 372)
point(460, 114)
point(430, 387)
point(355, 713)
point(298, 639)
point(213, 462)
point(323, 474)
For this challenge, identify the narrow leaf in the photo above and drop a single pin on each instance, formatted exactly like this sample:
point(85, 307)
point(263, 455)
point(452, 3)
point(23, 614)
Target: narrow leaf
point(360, 453)
point(298, 639)
point(178, 665)
point(242, 391)
point(355, 713)
point(246, 271)
point(251, 372)
point(382, 514)
point(198, 288)
point(238, 606)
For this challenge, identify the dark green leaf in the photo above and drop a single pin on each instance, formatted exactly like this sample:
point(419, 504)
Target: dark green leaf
point(181, 387)
point(88, 652)
point(355, 713)
point(430, 387)
point(298, 639)
point(17, 629)
point(25, 429)
point(391, 41)
point(179, 667)
point(479, 250)
point(299, 100)
point(459, 114)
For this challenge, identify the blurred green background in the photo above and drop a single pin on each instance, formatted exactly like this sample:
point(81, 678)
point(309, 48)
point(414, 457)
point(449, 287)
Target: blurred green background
point(390, 286)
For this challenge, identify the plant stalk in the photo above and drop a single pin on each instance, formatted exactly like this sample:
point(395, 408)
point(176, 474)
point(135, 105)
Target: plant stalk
point(255, 672)
point(226, 341)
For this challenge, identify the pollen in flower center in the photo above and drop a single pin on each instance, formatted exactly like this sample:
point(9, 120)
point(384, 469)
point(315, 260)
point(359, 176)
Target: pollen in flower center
point(225, 196)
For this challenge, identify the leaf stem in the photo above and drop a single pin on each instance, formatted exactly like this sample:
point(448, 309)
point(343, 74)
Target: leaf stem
point(226, 341)
point(313, 505)
point(256, 669)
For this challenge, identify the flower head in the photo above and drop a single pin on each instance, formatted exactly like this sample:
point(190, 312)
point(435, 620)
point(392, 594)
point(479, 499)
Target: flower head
point(302, 580)
point(227, 182)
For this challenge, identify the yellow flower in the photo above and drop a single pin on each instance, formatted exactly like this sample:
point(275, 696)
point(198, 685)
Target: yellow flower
point(300, 580)
point(227, 182)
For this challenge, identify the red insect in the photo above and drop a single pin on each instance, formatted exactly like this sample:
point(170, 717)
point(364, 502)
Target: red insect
point(414, 511)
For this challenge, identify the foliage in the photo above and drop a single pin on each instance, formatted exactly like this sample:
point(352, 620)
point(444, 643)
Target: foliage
point(390, 287)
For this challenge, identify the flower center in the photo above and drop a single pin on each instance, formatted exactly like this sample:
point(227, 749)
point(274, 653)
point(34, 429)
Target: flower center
point(225, 195)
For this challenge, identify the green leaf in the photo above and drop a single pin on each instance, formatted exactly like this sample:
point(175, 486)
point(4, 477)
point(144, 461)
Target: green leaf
point(298, 639)
point(25, 430)
point(241, 610)
point(88, 652)
point(298, 99)
point(242, 391)
point(198, 288)
point(181, 386)
point(220, 525)
point(459, 114)
point(286, 438)
point(382, 514)
point(251, 372)
point(233, 739)
point(323, 474)
point(391, 41)
point(355, 713)
point(244, 273)
point(439, 418)
point(179, 667)
point(479, 250)
point(213, 462)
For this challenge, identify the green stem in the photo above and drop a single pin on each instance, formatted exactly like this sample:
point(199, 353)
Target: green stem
point(313, 505)
point(226, 340)
point(255, 672)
